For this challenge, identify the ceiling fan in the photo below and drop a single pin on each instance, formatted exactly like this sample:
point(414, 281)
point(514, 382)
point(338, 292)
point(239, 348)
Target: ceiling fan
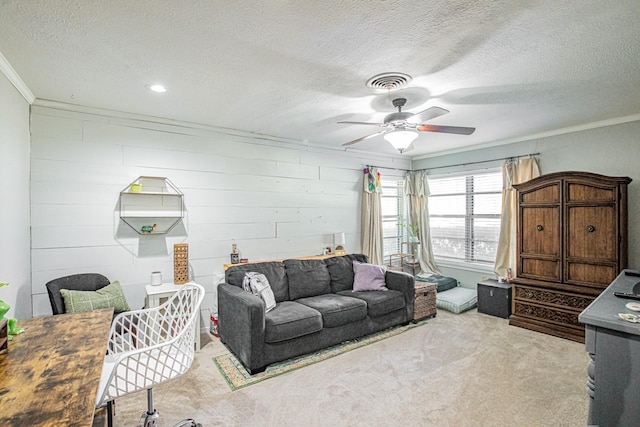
point(400, 127)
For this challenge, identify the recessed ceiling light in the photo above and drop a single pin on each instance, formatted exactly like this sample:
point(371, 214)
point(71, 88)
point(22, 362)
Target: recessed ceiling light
point(158, 88)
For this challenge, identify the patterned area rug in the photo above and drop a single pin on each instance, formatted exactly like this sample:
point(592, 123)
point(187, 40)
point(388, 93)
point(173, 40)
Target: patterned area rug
point(237, 376)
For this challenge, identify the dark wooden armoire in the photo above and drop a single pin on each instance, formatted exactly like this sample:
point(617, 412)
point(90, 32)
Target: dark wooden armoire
point(571, 244)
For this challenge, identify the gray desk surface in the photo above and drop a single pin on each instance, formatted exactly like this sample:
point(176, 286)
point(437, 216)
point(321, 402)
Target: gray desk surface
point(603, 311)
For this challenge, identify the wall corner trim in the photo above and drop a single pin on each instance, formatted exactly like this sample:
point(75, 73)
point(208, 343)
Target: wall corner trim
point(15, 79)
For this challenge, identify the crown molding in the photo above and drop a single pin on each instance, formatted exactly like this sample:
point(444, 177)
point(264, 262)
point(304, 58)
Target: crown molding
point(178, 126)
point(15, 79)
point(555, 132)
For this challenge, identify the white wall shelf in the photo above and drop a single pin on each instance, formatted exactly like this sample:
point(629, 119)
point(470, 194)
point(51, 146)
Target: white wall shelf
point(151, 205)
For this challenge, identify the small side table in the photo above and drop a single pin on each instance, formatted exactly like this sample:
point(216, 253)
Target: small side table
point(424, 304)
point(158, 295)
point(494, 298)
point(408, 258)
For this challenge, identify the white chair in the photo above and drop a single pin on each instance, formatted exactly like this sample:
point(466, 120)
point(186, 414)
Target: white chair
point(148, 347)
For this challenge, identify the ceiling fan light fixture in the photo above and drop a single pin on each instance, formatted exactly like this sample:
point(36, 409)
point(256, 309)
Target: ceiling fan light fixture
point(401, 139)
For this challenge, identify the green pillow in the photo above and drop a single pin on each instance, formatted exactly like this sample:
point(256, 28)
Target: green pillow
point(109, 296)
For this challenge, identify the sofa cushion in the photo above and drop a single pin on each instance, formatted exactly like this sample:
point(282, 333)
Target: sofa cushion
point(341, 270)
point(273, 270)
point(457, 300)
point(369, 277)
point(379, 303)
point(290, 320)
point(337, 310)
point(444, 283)
point(307, 278)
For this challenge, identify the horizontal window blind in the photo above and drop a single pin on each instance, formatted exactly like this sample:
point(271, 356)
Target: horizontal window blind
point(392, 200)
point(464, 215)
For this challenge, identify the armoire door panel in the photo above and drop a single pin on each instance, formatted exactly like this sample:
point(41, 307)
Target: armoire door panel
point(540, 231)
point(592, 275)
point(540, 269)
point(579, 192)
point(546, 194)
point(592, 232)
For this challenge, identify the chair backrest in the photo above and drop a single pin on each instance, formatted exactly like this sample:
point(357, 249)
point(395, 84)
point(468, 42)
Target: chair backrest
point(74, 282)
point(151, 346)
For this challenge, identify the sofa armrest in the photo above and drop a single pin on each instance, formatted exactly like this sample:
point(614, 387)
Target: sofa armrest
point(404, 283)
point(241, 324)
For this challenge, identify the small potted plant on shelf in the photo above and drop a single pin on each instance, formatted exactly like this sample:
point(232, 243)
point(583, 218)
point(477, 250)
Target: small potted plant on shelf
point(414, 232)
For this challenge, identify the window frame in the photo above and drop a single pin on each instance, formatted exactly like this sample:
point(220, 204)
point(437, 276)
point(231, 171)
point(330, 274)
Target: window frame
point(399, 218)
point(469, 218)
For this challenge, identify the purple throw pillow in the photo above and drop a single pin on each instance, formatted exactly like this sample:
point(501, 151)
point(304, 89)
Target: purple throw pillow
point(368, 277)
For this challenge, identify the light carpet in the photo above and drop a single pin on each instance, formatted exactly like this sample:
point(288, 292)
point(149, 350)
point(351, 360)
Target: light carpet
point(468, 369)
point(237, 376)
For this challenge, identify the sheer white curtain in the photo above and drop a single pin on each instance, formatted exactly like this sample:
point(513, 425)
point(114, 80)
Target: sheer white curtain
point(514, 171)
point(371, 218)
point(416, 188)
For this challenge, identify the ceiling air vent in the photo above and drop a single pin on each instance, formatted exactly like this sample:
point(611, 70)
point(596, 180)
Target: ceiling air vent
point(389, 81)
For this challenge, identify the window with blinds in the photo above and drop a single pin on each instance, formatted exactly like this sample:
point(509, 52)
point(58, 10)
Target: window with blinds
point(464, 215)
point(393, 212)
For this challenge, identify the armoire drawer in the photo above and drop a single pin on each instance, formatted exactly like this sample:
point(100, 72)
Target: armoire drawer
point(547, 314)
point(551, 298)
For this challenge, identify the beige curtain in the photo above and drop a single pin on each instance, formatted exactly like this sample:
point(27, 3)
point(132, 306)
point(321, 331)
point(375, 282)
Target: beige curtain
point(371, 219)
point(514, 171)
point(416, 188)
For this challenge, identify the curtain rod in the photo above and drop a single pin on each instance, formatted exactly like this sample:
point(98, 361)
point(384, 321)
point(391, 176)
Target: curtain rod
point(389, 169)
point(459, 164)
point(479, 161)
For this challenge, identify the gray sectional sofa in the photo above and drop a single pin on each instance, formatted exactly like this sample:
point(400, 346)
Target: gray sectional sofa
point(316, 308)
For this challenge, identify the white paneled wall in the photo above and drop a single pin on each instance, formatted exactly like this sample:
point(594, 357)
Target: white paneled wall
point(15, 267)
point(273, 199)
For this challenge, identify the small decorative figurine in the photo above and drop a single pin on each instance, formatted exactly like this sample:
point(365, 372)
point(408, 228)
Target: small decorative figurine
point(148, 228)
point(235, 256)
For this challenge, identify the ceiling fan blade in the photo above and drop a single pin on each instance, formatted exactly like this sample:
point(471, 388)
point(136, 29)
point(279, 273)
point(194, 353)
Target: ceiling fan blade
point(458, 130)
point(364, 137)
point(361, 123)
point(428, 114)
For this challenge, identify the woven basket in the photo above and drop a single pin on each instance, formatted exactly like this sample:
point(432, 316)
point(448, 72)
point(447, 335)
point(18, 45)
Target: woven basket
point(425, 302)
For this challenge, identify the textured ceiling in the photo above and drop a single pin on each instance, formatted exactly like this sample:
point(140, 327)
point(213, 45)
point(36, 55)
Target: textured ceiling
point(292, 69)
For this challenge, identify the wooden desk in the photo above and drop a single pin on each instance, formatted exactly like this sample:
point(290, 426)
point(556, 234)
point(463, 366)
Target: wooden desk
point(51, 374)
